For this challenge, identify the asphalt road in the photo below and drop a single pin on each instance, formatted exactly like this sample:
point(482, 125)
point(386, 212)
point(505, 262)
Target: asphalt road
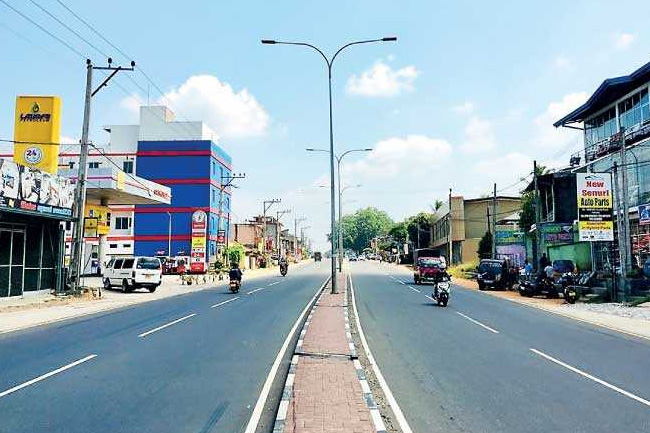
point(489, 365)
point(174, 365)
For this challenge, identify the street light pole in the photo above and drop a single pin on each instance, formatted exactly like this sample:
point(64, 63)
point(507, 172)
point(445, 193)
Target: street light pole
point(339, 159)
point(329, 63)
point(169, 235)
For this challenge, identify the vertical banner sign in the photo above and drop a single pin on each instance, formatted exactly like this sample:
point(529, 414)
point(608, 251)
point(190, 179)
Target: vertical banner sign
point(595, 203)
point(221, 237)
point(36, 127)
point(199, 234)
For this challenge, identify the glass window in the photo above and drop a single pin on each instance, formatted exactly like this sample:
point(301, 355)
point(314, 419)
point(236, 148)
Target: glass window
point(122, 223)
point(148, 263)
point(118, 264)
point(127, 166)
point(128, 263)
point(93, 164)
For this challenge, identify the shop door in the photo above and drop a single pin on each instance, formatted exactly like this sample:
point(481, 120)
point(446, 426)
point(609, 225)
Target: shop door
point(12, 261)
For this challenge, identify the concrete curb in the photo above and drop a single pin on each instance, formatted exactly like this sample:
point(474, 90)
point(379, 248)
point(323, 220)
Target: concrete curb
point(287, 392)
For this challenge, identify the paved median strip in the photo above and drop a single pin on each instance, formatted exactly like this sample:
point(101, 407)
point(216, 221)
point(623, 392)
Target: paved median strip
point(46, 375)
point(478, 323)
point(144, 334)
point(224, 302)
point(589, 376)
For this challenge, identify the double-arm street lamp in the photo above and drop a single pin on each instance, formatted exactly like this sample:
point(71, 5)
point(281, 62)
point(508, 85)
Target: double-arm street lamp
point(339, 158)
point(329, 63)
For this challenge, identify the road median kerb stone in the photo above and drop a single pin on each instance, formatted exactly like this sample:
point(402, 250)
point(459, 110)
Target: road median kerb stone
point(326, 390)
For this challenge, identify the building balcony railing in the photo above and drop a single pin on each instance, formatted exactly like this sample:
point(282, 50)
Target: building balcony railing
point(612, 144)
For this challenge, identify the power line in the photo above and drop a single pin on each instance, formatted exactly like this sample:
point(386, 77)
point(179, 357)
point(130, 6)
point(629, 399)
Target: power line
point(73, 31)
point(52, 35)
point(42, 143)
point(92, 29)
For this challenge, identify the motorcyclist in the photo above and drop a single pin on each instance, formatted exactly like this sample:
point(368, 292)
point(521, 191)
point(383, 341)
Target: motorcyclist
point(439, 277)
point(235, 273)
point(284, 264)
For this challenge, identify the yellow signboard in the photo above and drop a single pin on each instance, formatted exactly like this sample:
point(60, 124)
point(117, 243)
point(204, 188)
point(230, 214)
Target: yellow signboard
point(101, 215)
point(198, 242)
point(37, 124)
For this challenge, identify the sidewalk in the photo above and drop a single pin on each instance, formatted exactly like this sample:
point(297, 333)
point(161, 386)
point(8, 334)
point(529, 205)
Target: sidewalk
point(326, 390)
point(26, 312)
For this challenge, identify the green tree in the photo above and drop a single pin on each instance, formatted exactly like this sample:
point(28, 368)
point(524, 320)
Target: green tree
point(235, 253)
point(485, 246)
point(399, 232)
point(364, 225)
point(421, 223)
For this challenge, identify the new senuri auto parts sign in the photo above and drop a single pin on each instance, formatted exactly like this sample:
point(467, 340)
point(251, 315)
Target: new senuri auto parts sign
point(595, 206)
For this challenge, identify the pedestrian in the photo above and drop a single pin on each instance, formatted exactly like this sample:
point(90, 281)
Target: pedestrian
point(543, 262)
point(528, 269)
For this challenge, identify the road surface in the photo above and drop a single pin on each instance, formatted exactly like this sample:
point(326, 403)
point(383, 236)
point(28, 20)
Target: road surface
point(489, 365)
point(193, 363)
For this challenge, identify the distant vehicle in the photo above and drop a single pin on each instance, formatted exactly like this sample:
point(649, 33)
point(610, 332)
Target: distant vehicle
point(318, 256)
point(133, 272)
point(489, 274)
point(353, 258)
point(427, 269)
point(362, 258)
point(426, 253)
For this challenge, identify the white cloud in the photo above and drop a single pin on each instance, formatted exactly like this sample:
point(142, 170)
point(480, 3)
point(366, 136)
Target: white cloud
point(623, 40)
point(204, 97)
point(479, 136)
point(561, 63)
point(545, 135)
point(464, 108)
point(410, 155)
point(493, 170)
point(383, 81)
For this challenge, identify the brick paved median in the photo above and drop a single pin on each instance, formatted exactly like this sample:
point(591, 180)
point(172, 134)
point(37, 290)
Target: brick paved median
point(326, 395)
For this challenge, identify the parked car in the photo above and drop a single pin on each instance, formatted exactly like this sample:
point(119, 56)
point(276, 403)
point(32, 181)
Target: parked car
point(131, 273)
point(353, 257)
point(362, 258)
point(488, 274)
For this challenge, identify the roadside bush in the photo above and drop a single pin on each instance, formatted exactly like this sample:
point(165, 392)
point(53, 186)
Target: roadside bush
point(463, 270)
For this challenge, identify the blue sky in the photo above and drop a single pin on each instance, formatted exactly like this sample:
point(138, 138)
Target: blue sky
point(463, 99)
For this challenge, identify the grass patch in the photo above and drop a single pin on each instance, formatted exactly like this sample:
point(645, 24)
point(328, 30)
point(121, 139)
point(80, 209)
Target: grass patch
point(638, 301)
point(463, 270)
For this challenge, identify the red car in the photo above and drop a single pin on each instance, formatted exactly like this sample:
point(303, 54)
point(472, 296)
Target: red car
point(426, 269)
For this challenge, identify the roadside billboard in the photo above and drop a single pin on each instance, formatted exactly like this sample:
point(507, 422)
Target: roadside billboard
point(198, 245)
point(37, 132)
point(644, 214)
point(31, 190)
point(595, 203)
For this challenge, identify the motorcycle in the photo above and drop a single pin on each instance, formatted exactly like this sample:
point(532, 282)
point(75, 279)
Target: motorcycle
point(444, 290)
point(284, 268)
point(540, 285)
point(235, 285)
point(567, 287)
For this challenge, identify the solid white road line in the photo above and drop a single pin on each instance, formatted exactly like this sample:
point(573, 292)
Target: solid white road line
point(399, 415)
point(266, 388)
point(144, 334)
point(413, 288)
point(589, 376)
point(46, 375)
point(273, 284)
point(256, 290)
point(478, 323)
point(224, 302)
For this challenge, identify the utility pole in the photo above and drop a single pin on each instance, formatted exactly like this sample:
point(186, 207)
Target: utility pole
point(266, 205)
point(451, 239)
point(169, 235)
point(278, 215)
point(489, 224)
point(494, 222)
point(296, 221)
point(76, 264)
point(538, 230)
point(624, 242)
point(224, 183)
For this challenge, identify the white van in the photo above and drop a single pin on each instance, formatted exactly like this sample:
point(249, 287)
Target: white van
point(130, 273)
